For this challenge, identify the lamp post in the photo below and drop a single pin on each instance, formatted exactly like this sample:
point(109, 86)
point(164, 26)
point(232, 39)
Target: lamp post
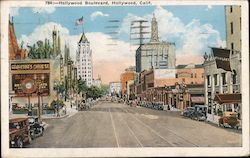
point(39, 93)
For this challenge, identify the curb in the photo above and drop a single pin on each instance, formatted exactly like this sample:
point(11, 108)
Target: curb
point(47, 118)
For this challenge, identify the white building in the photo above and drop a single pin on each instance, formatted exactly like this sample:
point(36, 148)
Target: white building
point(115, 88)
point(155, 54)
point(97, 82)
point(84, 60)
point(223, 88)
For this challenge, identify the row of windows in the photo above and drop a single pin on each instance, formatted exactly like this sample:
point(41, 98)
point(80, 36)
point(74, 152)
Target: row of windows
point(223, 77)
point(86, 60)
point(192, 75)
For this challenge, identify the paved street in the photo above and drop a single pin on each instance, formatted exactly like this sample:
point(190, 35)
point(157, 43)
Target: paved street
point(118, 125)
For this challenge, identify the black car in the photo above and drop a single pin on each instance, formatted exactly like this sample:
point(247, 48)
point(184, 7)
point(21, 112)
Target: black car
point(188, 112)
point(199, 113)
point(36, 128)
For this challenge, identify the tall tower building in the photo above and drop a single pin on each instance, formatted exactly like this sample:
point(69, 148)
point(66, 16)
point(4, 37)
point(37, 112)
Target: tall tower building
point(154, 30)
point(233, 27)
point(84, 60)
point(54, 38)
point(156, 54)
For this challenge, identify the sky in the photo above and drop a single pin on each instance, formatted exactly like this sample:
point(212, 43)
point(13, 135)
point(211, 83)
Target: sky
point(193, 29)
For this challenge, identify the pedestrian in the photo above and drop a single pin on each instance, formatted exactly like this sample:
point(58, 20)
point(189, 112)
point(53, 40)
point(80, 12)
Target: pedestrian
point(71, 106)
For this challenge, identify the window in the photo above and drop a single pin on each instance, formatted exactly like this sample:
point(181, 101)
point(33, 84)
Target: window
point(231, 9)
point(195, 75)
point(232, 48)
point(223, 75)
point(232, 27)
point(215, 79)
point(176, 75)
point(192, 76)
point(234, 76)
point(208, 80)
point(240, 23)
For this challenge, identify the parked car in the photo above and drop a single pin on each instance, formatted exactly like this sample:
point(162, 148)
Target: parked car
point(188, 111)
point(19, 132)
point(36, 128)
point(200, 113)
point(229, 119)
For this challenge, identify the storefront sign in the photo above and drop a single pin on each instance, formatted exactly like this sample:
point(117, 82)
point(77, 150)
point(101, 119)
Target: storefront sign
point(30, 66)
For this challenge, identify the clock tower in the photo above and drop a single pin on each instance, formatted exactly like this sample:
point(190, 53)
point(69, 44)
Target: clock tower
point(154, 30)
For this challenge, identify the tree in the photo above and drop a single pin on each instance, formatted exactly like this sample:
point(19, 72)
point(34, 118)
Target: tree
point(93, 92)
point(40, 50)
point(59, 87)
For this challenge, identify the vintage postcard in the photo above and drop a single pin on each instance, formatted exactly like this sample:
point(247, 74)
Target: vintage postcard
point(124, 78)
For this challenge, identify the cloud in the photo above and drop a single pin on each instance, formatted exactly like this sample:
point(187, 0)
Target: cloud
point(96, 14)
point(14, 11)
point(209, 7)
point(192, 38)
point(48, 10)
point(108, 61)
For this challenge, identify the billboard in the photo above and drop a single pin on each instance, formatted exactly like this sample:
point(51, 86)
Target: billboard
point(30, 84)
point(30, 78)
point(164, 73)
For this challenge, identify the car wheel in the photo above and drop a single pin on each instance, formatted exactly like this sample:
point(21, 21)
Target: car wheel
point(224, 125)
point(42, 132)
point(30, 140)
point(20, 143)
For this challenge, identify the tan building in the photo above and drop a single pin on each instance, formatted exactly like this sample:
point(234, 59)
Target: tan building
point(124, 78)
point(179, 88)
point(233, 27)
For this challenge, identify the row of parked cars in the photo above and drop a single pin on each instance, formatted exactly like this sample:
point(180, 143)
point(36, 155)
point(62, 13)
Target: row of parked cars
point(87, 104)
point(23, 130)
point(151, 105)
point(198, 112)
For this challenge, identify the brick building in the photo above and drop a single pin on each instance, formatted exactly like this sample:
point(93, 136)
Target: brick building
point(15, 53)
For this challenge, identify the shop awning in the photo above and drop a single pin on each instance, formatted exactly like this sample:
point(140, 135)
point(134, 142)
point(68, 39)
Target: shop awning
point(228, 98)
point(197, 99)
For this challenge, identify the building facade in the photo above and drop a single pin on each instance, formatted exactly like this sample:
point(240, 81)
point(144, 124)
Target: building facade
point(15, 53)
point(155, 54)
point(84, 61)
point(223, 87)
point(115, 88)
point(178, 88)
point(125, 77)
point(97, 82)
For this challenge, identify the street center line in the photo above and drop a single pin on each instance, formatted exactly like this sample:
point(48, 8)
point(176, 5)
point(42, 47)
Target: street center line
point(151, 129)
point(114, 128)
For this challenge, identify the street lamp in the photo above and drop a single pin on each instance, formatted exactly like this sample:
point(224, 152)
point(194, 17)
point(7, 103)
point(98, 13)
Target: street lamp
point(39, 93)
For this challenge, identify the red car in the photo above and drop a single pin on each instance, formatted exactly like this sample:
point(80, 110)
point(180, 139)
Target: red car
point(19, 132)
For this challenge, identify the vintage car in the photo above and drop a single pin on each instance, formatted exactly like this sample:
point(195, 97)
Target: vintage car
point(36, 128)
point(19, 132)
point(188, 112)
point(199, 113)
point(229, 119)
